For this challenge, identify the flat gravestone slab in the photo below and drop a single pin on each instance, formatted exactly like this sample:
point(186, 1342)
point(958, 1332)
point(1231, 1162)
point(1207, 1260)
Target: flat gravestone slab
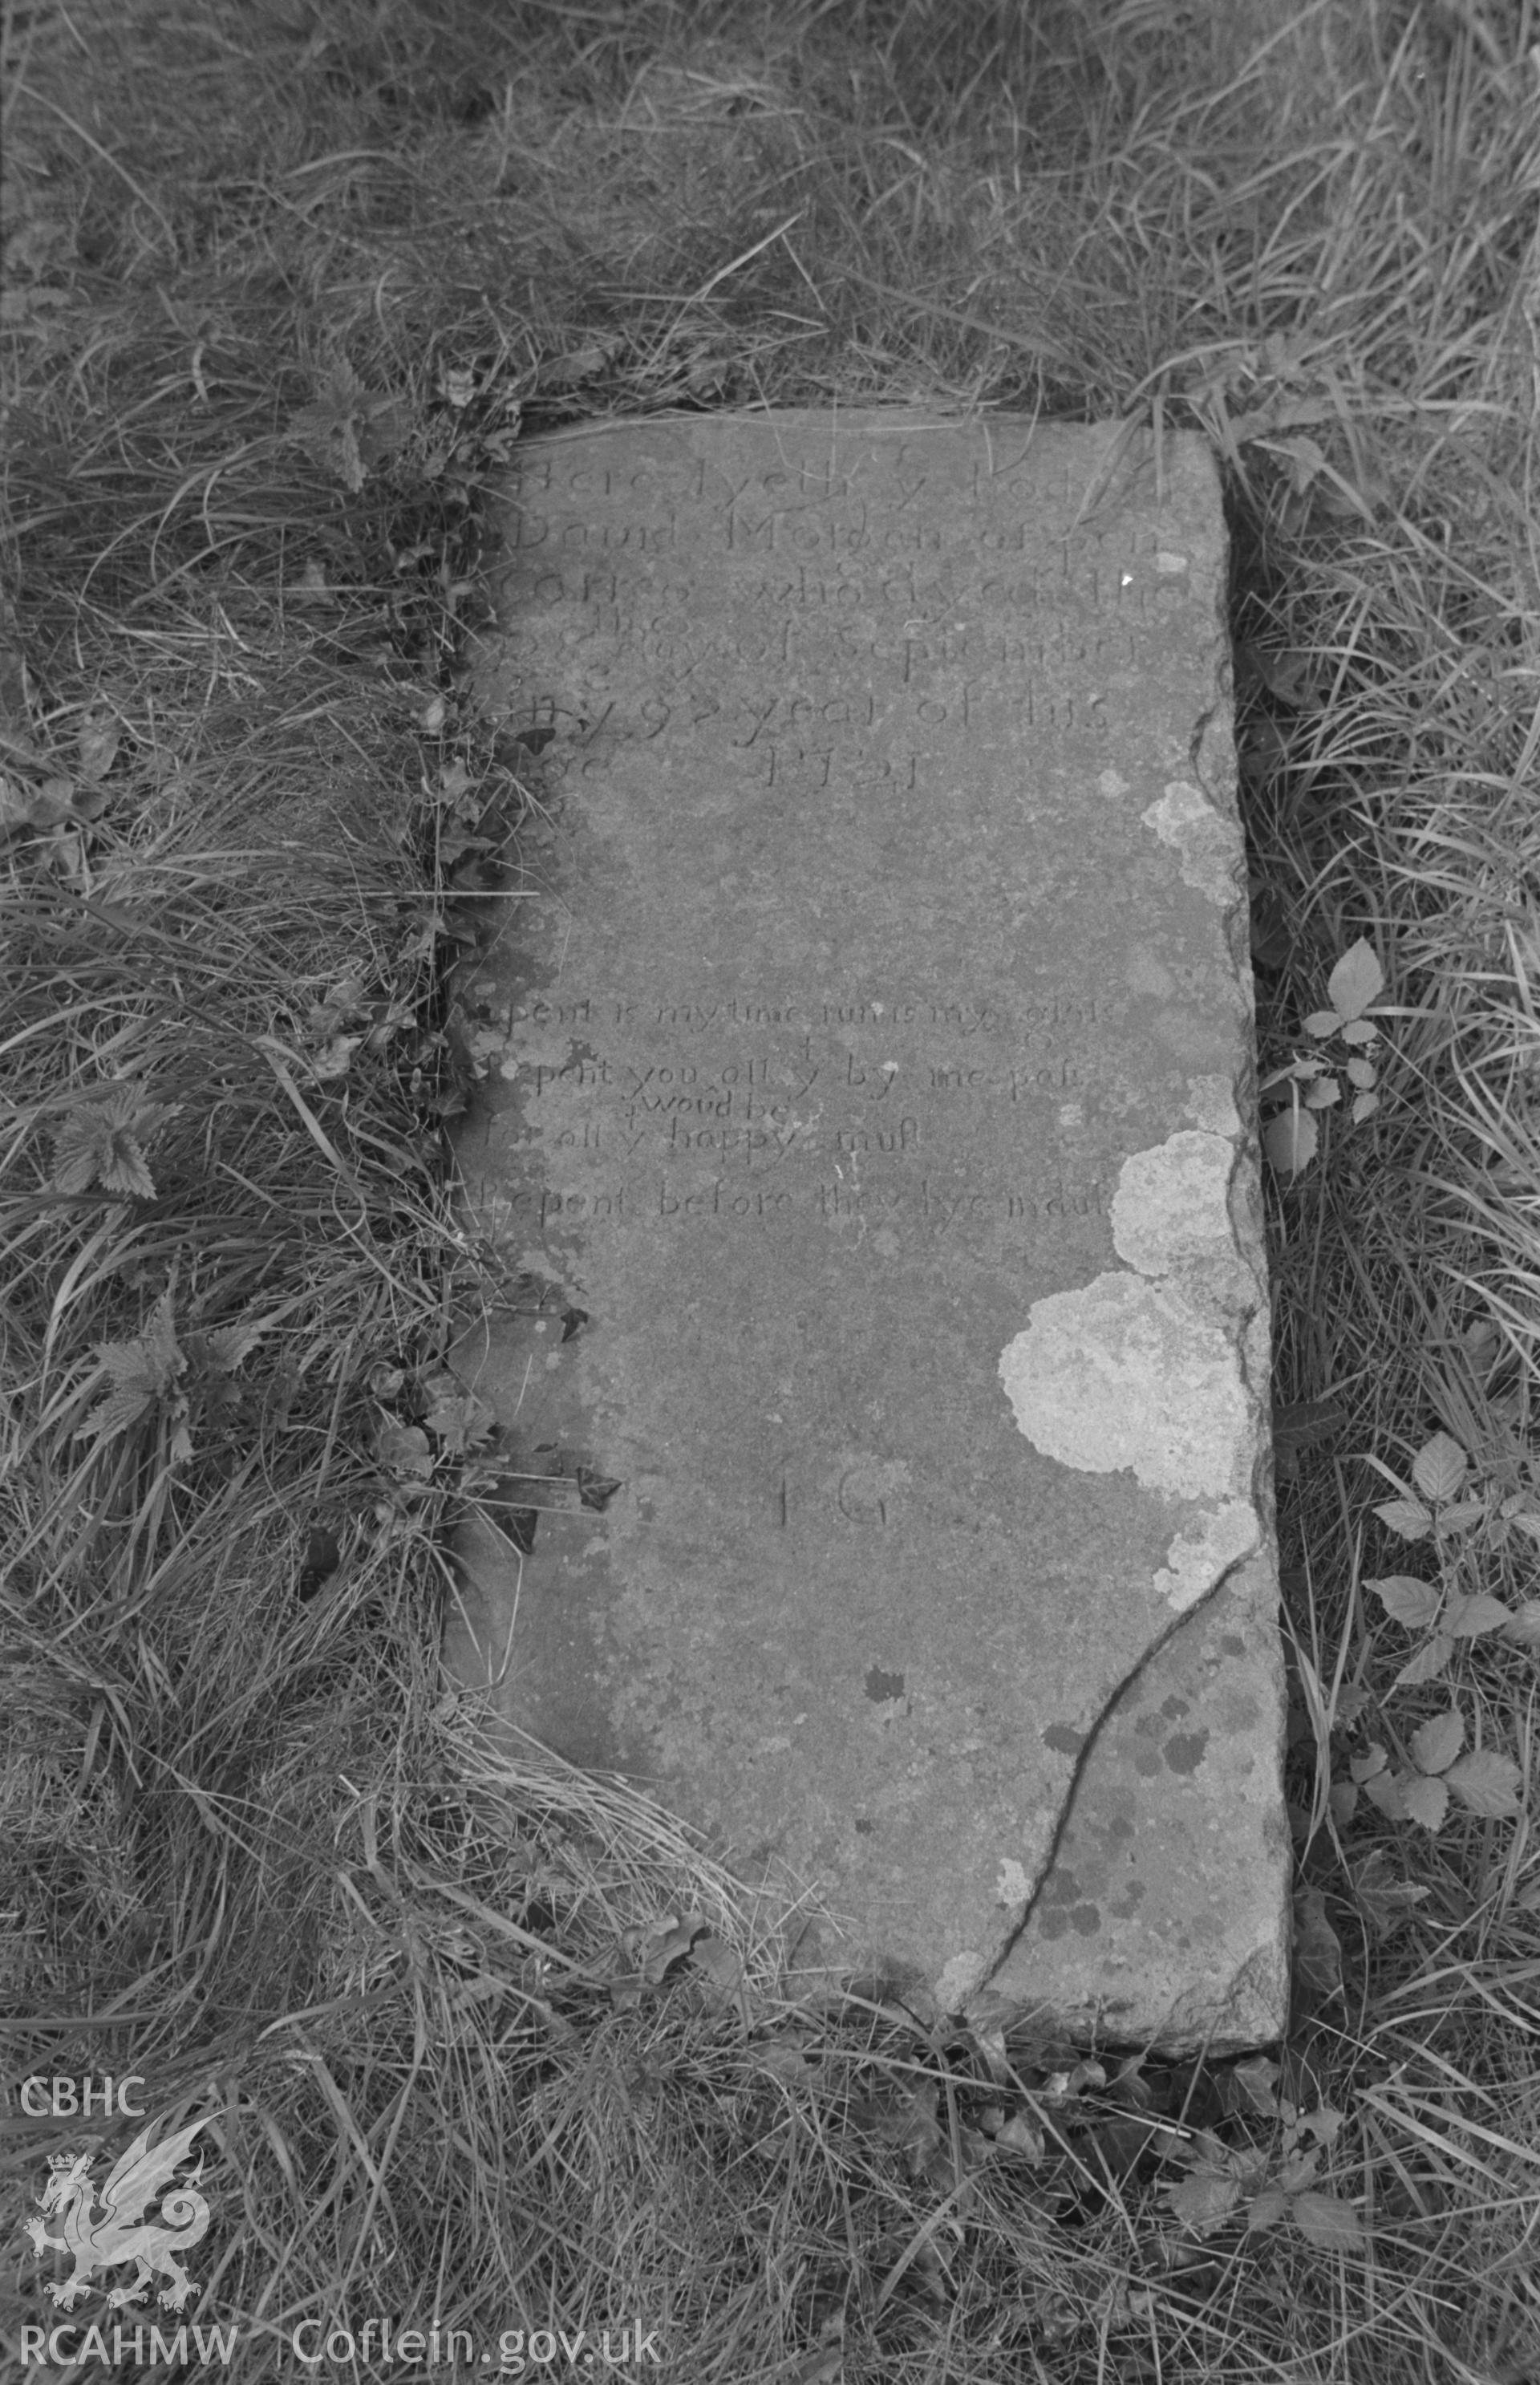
point(866, 1050)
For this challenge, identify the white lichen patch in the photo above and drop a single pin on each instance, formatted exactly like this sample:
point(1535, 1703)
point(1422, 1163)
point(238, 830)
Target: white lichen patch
point(1111, 784)
point(1168, 562)
point(1209, 843)
point(1012, 1884)
point(1172, 1207)
point(1127, 1371)
point(1143, 1368)
point(1215, 1540)
point(957, 1982)
point(1212, 1105)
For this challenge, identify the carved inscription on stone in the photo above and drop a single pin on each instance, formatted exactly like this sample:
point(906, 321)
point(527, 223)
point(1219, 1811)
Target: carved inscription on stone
point(879, 911)
point(754, 1110)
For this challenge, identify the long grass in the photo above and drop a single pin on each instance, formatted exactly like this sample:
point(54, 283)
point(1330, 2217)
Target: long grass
point(491, 2046)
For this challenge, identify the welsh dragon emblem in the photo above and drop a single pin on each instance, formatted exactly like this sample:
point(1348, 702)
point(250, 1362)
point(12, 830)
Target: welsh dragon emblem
point(121, 2232)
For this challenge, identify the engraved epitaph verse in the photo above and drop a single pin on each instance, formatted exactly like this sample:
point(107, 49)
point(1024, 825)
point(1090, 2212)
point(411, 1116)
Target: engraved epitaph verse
point(876, 909)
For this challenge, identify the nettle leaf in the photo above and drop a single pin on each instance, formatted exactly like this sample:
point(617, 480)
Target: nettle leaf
point(1326, 2221)
point(1467, 1618)
point(1436, 1742)
point(1357, 981)
point(1407, 1600)
point(1486, 1783)
point(1291, 1141)
point(1427, 1666)
point(1424, 1800)
point(1407, 1516)
point(1439, 1468)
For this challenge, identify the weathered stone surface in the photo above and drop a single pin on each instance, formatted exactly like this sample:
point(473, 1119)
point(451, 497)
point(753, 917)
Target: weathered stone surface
point(866, 1063)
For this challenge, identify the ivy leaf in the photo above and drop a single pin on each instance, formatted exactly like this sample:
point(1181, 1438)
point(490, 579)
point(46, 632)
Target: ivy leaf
point(1407, 1600)
point(1467, 1618)
point(1427, 1665)
point(1436, 1744)
point(1424, 1800)
point(1326, 2221)
point(1407, 1516)
point(1486, 1783)
point(1438, 1469)
point(1357, 979)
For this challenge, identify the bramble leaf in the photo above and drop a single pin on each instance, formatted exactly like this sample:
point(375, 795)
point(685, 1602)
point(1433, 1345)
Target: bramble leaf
point(1407, 1600)
point(1428, 1663)
point(1424, 1800)
point(1467, 1618)
point(1407, 1516)
point(1204, 2201)
point(1436, 1744)
point(1323, 1022)
point(1486, 1782)
point(1326, 2221)
point(1439, 1468)
point(1291, 1141)
point(1523, 1624)
point(1357, 979)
